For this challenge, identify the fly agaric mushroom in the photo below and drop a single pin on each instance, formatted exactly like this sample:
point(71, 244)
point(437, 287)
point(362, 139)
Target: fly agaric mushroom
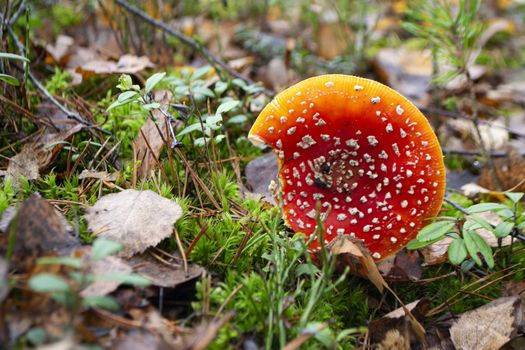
point(361, 149)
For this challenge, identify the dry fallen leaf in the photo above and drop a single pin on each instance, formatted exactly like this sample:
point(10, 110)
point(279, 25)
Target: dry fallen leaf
point(494, 136)
point(509, 171)
point(23, 164)
point(408, 71)
point(128, 64)
point(260, 172)
point(100, 175)
point(38, 154)
point(136, 219)
point(397, 329)
point(403, 267)
point(39, 229)
point(161, 274)
point(487, 327)
point(58, 53)
point(108, 265)
point(351, 252)
point(436, 253)
point(152, 137)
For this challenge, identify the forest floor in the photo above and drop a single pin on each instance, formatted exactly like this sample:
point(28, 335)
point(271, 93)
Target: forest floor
point(136, 214)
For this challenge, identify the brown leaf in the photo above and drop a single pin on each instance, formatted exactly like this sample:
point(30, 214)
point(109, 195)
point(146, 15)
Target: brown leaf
point(161, 274)
point(152, 136)
point(509, 171)
point(23, 164)
point(487, 327)
point(128, 64)
point(39, 229)
point(351, 252)
point(436, 253)
point(58, 53)
point(100, 175)
point(108, 265)
point(396, 330)
point(403, 267)
point(407, 71)
point(38, 154)
point(136, 219)
point(260, 172)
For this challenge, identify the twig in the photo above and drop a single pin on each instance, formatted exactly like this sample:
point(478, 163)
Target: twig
point(465, 152)
point(211, 58)
point(18, 13)
point(71, 115)
point(458, 115)
point(456, 205)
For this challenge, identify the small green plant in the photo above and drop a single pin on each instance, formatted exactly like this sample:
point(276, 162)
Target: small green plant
point(288, 294)
point(451, 33)
point(59, 82)
point(132, 93)
point(67, 289)
point(464, 228)
point(9, 79)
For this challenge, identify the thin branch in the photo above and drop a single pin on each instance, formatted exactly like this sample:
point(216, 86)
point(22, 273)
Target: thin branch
point(465, 152)
point(70, 114)
point(458, 115)
point(456, 205)
point(18, 13)
point(211, 58)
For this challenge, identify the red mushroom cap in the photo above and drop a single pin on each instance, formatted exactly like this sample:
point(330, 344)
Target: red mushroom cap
point(362, 150)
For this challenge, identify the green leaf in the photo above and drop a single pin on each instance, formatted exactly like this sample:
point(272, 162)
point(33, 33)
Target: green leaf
point(479, 221)
point(36, 335)
point(126, 278)
point(200, 73)
point(238, 119)
point(471, 246)
point(435, 230)
point(119, 103)
point(416, 244)
point(218, 138)
point(476, 244)
point(200, 141)
point(227, 106)
point(150, 106)
point(515, 197)
point(213, 121)
point(480, 208)
point(153, 81)
point(457, 251)
point(47, 282)
point(220, 87)
point(125, 82)
point(503, 229)
point(9, 79)
point(203, 91)
point(60, 260)
point(467, 265)
point(103, 247)
point(101, 301)
point(12, 56)
point(306, 269)
point(483, 248)
point(190, 128)
point(127, 95)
